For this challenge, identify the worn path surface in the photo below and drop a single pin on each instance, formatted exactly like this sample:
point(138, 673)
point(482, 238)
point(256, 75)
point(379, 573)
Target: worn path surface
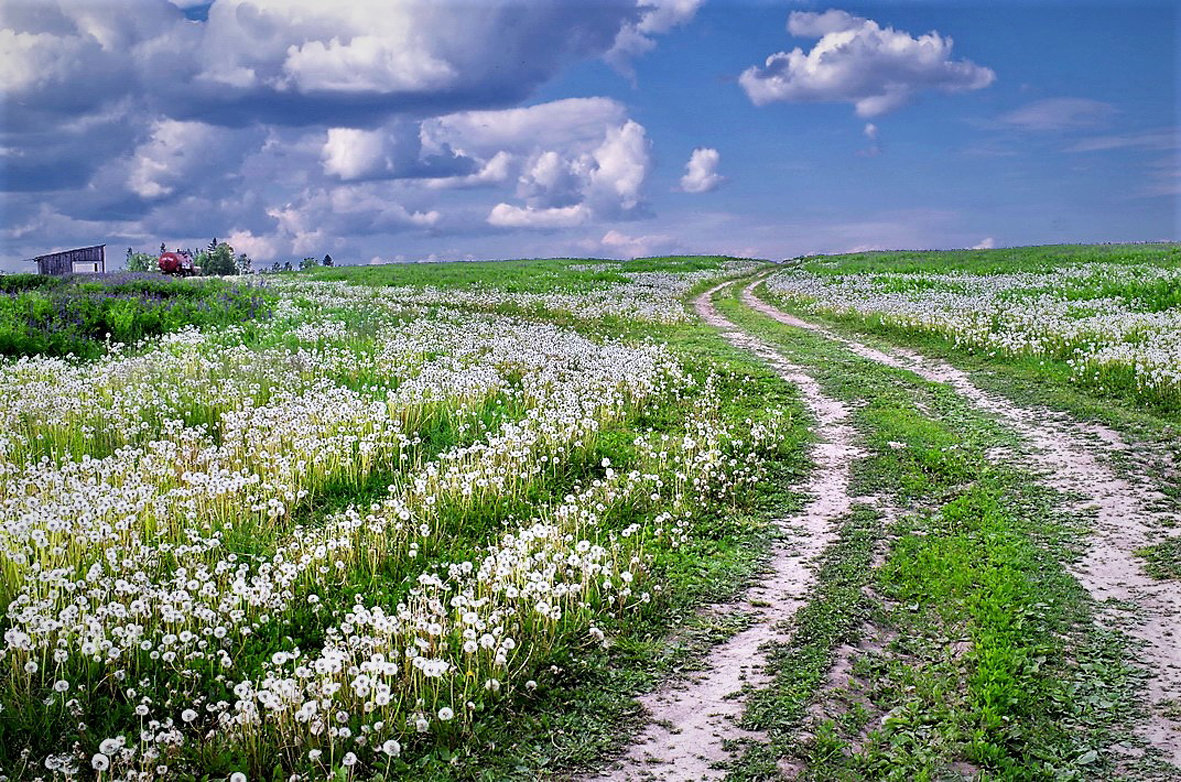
point(1075, 458)
point(689, 720)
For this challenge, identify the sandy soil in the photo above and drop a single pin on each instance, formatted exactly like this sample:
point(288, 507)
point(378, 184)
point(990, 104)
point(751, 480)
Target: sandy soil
point(689, 720)
point(1073, 457)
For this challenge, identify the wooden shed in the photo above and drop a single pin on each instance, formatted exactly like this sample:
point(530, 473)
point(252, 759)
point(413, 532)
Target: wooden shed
point(84, 260)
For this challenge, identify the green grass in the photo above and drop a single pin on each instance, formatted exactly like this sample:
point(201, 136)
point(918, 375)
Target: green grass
point(975, 652)
point(1050, 370)
point(979, 652)
point(1000, 261)
point(584, 710)
point(521, 276)
point(80, 315)
point(1163, 560)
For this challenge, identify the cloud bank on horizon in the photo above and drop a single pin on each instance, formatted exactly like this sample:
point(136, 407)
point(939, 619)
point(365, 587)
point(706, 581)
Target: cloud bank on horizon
point(379, 129)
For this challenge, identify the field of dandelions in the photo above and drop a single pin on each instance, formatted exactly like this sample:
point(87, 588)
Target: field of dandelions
point(326, 544)
point(1111, 326)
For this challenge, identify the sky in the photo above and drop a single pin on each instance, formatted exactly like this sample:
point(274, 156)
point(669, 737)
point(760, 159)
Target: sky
point(408, 130)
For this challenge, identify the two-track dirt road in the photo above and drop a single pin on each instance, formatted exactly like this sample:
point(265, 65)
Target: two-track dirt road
point(691, 721)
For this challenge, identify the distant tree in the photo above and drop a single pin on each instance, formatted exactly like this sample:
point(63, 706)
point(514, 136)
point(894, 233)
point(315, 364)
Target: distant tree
point(163, 249)
point(287, 266)
point(276, 266)
point(308, 263)
point(327, 260)
point(218, 261)
point(244, 264)
point(213, 243)
point(140, 262)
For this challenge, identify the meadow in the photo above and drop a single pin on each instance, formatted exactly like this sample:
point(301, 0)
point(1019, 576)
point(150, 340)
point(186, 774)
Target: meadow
point(84, 315)
point(348, 538)
point(1107, 317)
point(443, 521)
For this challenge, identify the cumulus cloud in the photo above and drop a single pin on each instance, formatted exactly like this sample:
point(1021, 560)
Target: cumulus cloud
point(586, 165)
point(615, 244)
point(319, 214)
point(291, 122)
point(701, 174)
point(571, 123)
point(509, 216)
point(1060, 114)
point(65, 59)
point(177, 153)
point(352, 153)
point(619, 165)
point(259, 248)
point(637, 38)
point(987, 243)
point(278, 60)
point(373, 57)
point(877, 69)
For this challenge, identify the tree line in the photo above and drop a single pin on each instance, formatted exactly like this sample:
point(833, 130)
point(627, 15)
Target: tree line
point(218, 258)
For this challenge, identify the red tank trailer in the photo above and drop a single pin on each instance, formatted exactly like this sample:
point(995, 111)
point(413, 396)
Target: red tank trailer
point(177, 264)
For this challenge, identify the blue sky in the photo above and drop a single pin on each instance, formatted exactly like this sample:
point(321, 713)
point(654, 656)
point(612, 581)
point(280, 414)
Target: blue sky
point(387, 130)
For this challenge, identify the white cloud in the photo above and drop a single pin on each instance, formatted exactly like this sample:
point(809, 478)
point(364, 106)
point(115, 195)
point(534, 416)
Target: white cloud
point(365, 208)
point(573, 123)
point(367, 63)
point(32, 60)
point(179, 153)
point(621, 165)
point(351, 153)
point(70, 58)
point(259, 248)
point(509, 216)
point(435, 52)
point(280, 59)
point(701, 171)
point(874, 149)
point(1157, 139)
point(986, 243)
point(1060, 114)
point(635, 39)
point(492, 172)
point(620, 245)
point(577, 159)
point(857, 61)
point(551, 179)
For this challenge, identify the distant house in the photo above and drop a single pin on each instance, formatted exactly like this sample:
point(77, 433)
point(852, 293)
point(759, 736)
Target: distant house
point(84, 260)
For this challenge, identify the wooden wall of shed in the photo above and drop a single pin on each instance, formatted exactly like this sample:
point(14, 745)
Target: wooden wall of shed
point(63, 262)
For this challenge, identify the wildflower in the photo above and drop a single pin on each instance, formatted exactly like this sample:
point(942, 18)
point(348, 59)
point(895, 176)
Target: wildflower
point(100, 762)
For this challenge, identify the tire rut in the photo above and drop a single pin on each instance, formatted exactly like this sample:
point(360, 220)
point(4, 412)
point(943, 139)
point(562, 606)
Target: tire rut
point(1073, 457)
point(690, 721)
